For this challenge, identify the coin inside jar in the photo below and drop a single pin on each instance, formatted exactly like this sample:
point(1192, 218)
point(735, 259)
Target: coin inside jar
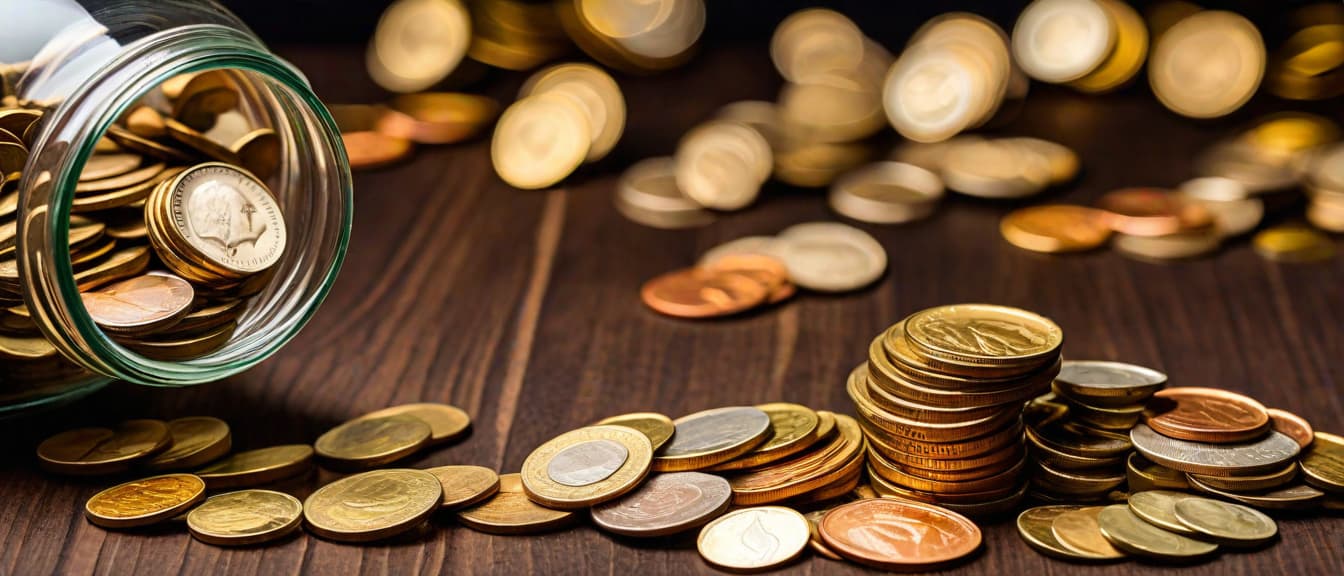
point(465, 486)
point(665, 504)
point(752, 539)
point(1206, 415)
point(144, 502)
point(140, 305)
point(373, 505)
point(706, 438)
point(245, 518)
point(587, 466)
point(370, 442)
point(889, 534)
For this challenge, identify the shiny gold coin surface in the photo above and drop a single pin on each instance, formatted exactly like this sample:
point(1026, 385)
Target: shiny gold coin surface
point(706, 438)
point(1130, 533)
point(251, 242)
point(1292, 426)
point(257, 467)
point(1293, 244)
point(1225, 523)
point(1035, 526)
point(510, 511)
point(370, 442)
point(144, 502)
point(373, 505)
point(539, 141)
point(437, 117)
point(793, 428)
point(1323, 462)
point(752, 539)
point(1158, 507)
point(140, 305)
point(597, 95)
point(666, 504)
point(245, 518)
point(197, 440)
point(983, 334)
point(818, 546)
point(657, 427)
point(1207, 65)
point(418, 43)
point(465, 486)
point(446, 423)
point(95, 451)
point(587, 466)
point(1079, 531)
point(1143, 474)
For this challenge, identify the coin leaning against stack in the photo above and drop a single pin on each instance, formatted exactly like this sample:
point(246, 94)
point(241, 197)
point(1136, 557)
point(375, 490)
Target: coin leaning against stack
point(940, 402)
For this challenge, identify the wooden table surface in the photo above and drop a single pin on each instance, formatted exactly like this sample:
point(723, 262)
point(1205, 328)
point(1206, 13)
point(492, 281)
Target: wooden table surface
point(522, 308)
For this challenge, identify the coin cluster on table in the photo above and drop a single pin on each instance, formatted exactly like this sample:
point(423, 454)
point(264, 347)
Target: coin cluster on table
point(172, 225)
point(755, 271)
point(940, 400)
point(380, 135)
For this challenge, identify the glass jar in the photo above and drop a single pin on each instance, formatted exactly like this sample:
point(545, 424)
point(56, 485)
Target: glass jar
point(84, 65)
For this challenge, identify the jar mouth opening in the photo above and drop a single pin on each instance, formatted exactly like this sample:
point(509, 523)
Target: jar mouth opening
point(312, 186)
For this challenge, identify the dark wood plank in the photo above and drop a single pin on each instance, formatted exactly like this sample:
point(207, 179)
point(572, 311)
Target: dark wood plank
point(522, 307)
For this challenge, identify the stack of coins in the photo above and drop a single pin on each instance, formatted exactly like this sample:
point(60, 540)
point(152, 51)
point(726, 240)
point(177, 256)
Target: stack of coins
point(940, 402)
point(1078, 434)
point(756, 271)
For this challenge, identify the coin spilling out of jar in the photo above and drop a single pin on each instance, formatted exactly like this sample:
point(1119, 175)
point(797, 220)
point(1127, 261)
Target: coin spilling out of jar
point(174, 223)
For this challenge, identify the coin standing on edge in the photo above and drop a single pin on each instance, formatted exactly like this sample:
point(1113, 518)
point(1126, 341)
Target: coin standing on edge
point(245, 518)
point(665, 504)
point(371, 442)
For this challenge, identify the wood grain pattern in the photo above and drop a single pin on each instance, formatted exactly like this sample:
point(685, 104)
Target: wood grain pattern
point(522, 307)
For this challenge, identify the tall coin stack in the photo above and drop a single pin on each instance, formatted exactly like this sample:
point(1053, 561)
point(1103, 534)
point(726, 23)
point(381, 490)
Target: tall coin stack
point(1078, 435)
point(940, 402)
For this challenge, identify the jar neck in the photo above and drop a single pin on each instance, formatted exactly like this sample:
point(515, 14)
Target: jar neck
point(66, 142)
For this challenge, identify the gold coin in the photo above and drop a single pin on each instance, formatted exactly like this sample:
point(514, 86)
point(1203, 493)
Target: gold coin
point(1145, 475)
point(814, 541)
point(706, 438)
point(1225, 523)
point(753, 539)
point(1054, 228)
point(434, 117)
point(121, 180)
point(1208, 64)
point(721, 164)
point(370, 442)
point(983, 334)
point(1126, 56)
point(1135, 536)
point(648, 194)
point(996, 168)
point(141, 305)
point(123, 263)
point(201, 143)
point(245, 518)
point(1251, 482)
point(597, 95)
point(1158, 507)
point(587, 466)
point(793, 428)
point(446, 423)
point(174, 349)
point(197, 440)
point(373, 505)
point(1034, 525)
point(1323, 463)
point(1295, 496)
point(259, 151)
point(539, 141)
point(1062, 40)
point(144, 502)
point(810, 44)
point(1079, 531)
point(511, 512)
point(418, 43)
point(95, 451)
point(257, 467)
point(146, 121)
point(657, 427)
point(250, 242)
point(812, 470)
point(465, 486)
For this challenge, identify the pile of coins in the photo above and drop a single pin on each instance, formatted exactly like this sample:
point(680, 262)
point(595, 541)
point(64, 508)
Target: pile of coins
point(1078, 435)
point(940, 402)
point(756, 271)
point(173, 225)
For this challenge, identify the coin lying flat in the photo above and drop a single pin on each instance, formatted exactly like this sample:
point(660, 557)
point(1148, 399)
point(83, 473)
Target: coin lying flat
point(141, 305)
point(706, 438)
point(1108, 383)
point(510, 511)
point(144, 502)
point(1131, 534)
point(657, 427)
point(1323, 463)
point(1269, 453)
point(257, 467)
point(1225, 523)
point(1295, 496)
point(1206, 415)
point(886, 193)
point(890, 534)
point(753, 539)
point(1055, 228)
point(373, 505)
point(446, 423)
point(1034, 526)
point(1293, 244)
point(245, 518)
point(1158, 507)
point(702, 293)
point(197, 440)
point(436, 117)
point(831, 257)
point(792, 429)
point(665, 504)
point(370, 442)
point(587, 466)
point(1291, 425)
point(465, 486)
point(1079, 531)
point(983, 334)
point(93, 451)
point(648, 194)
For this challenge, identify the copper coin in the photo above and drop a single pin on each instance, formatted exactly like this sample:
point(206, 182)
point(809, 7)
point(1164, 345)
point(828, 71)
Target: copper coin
point(369, 150)
point(701, 293)
point(1056, 228)
point(1292, 426)
point(1206, 415)
point(1151, 212)
point(767, 270)
point(898, 535)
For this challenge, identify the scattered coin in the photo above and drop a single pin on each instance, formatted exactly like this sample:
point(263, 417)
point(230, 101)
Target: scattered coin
point(1062, 40)
point(1225, 523)
point(1207, 65)
point(1034, 525)
point(510, 511)
point(540, 140)
point(446, 423)
point(373, 505)
point(753, 539)
point(418, 43)
point(888, 534)
point(99, 451)
point(831, 257)
point(587, 466)
point(1295, 496)
point(666, 504)
point(703, 293)
point(886, 193)
point(245, 518)
point(258, 467)
point(1079, 531)
point(657, 427)
point(371, 442)
point(1056, 228)
point(1131, 534)
point(144, 502)
point(367, 150)
point(722, 164)
point(1293, 244)
point(598, 96)
point(706, 438)
point(1323, 463)
point(793, 428)
point(196, 441)
point(465, 486)
point(1158, 507)
point(436, 117)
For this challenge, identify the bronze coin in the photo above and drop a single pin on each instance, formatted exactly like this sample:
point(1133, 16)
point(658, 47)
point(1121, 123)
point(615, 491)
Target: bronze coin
point(1151, 212)
point(370, 150)
point(1292, 426)
point(1056, 228)
point(767, 270)
point(701, 293)
point(1206, 415)
point(897, 535)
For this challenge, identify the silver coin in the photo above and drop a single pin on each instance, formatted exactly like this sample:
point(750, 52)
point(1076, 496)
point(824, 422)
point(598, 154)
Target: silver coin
point(587, 462)
point(666, 504)
point(1225, 522)
point(1131, 534)
point(716, 429)
point(1158, 507)
point(1294, 497)
point(1271, 452)
point(1108, 383)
